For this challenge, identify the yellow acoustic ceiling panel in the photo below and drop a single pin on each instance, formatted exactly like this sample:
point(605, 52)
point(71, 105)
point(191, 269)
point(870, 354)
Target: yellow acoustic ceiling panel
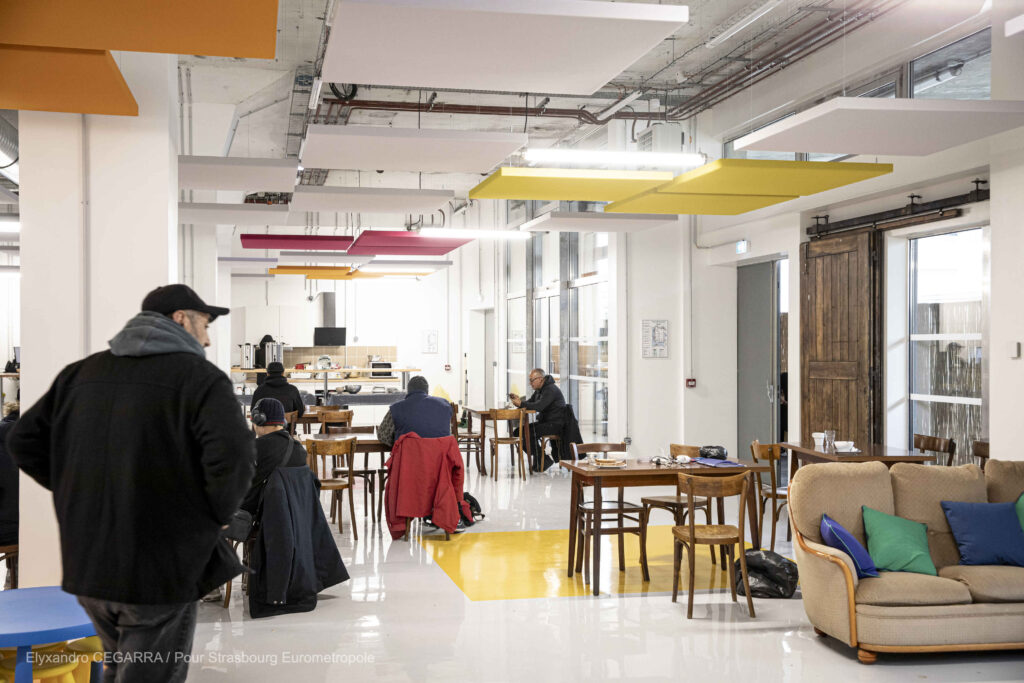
point(766, 177)
point(310, 270)
point(704, 204)
point(57, 79)
point(360, 275)
point(221, 28)
point(567, 184)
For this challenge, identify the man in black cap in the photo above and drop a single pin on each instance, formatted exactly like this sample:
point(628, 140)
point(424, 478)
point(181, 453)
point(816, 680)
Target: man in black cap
point(276, 386)
point(148, 457)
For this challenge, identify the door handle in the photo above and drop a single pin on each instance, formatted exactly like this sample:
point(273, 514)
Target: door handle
point(769, 390)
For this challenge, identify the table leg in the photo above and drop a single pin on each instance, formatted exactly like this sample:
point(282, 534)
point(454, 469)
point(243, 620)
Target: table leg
point(721, 520)
point(22, 667)
point(755, 531)
point(794, 464)
point(596, 542)
point(574, 497)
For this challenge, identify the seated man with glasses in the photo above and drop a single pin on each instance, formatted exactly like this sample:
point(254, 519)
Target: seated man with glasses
point(548, 401)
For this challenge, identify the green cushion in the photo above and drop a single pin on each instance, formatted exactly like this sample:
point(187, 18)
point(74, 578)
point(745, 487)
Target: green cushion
point(896, 544)
point(1020, 510)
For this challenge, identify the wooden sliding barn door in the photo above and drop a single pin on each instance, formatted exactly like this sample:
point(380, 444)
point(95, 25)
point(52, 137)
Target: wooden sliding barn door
point(837, 322)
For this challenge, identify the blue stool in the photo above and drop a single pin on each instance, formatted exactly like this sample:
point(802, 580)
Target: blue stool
point(30, 616)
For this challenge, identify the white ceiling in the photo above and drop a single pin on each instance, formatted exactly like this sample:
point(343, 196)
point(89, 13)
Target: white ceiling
point(891, 127)
point(237, 173)
point(564, 221)
point(539, 46)
point(376, 200)
point(407, 149)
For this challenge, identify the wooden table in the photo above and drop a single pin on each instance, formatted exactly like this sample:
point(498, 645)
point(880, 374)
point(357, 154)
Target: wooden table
point(366, 446)
point(485, 414)
point(805, 452)
point(643, 474)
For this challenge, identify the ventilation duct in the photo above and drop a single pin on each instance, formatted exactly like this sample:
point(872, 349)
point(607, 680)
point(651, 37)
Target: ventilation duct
point(8, 139)
point(326, 309)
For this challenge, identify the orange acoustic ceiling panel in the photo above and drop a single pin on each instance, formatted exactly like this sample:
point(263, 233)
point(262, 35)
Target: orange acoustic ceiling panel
point(219, 28)
point(310, 270)
point(57, 79)
point(360, 275)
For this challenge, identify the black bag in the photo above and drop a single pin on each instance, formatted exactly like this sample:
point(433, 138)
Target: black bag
point(771, 575)
point(474, 508)
point(714, 452)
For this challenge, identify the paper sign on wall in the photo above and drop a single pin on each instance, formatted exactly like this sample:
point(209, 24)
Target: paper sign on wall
point(655, 337)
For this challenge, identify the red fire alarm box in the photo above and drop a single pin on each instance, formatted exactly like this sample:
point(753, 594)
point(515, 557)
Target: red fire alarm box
point(691, 383)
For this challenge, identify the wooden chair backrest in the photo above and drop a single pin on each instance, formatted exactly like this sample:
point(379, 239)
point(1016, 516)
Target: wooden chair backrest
point(770, 452)
point(980, 451)
point(584, 448)
point(715, 487)
point(924, 443)
point(675, 449)
point(361, 429)
point(291, 418)
point(321, 449)
point(455, 419)
point(512, 414)
point(336, 417)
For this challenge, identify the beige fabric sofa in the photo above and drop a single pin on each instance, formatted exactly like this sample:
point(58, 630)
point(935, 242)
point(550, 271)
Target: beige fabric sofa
point(963, 608)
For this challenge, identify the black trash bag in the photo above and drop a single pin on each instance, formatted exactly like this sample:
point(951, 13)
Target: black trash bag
point(714, 452)
point(771, 575)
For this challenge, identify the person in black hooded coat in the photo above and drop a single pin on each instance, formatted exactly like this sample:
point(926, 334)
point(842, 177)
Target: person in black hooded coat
point(276, 386)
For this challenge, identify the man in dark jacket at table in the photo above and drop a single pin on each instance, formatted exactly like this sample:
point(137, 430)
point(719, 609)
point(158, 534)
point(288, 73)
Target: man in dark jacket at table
point(276, 386)
point(548, 401)
point(148, 457)
point(275, 447)
point(428, 416)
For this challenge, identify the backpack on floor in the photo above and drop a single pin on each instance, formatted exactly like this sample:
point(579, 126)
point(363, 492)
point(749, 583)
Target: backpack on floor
point(474, 508)
point(771, 575)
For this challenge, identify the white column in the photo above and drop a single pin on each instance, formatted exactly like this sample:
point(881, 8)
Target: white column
point(1006, 374)
point(99, 230)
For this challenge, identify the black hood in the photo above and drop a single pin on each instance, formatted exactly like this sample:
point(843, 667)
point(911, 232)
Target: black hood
point(276, 381)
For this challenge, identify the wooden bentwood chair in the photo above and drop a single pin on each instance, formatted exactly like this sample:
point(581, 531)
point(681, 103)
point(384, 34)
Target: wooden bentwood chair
point(925, 443)
point(677, 505)
point(334, 418)
point(290, 420)
point(691, 535)
point(9, 555)
point(319, 452)
point(616, 512)
point(980, 451)
point(770, 493)
point(366, 474)
point(516, 442)
point(472, 442)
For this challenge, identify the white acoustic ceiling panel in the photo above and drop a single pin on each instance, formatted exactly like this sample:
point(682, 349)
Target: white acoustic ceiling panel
point(232, 214)
point(899, 127)
point(337, 258)
point(586, 221)
point(369, 199)
point(235, 173)
point(377, 148)
point(1013, 26)
point(538, 46)
point(7, 197)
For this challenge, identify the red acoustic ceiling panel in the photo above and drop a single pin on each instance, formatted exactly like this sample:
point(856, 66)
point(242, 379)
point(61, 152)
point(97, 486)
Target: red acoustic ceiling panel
point(403, 243)
point(310, 242)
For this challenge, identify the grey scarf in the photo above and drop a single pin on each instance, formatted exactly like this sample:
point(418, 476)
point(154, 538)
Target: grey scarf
point(149, 334)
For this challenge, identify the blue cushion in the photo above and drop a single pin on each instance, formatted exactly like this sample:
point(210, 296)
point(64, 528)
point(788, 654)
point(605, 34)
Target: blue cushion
point(986, 533)
point(834, 535)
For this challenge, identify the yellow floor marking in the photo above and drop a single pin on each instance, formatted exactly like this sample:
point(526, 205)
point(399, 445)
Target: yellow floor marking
point(513, 565)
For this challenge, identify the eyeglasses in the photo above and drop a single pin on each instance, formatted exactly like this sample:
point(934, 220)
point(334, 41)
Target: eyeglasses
point(534, 379)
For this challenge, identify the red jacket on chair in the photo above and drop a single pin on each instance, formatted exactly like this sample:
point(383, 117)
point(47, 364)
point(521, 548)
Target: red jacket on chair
point(425, 479)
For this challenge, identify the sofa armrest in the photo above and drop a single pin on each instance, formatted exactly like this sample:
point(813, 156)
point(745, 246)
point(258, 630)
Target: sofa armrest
point(828, 583)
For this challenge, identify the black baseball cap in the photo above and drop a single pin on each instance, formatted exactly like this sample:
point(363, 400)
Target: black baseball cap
point(171, 298)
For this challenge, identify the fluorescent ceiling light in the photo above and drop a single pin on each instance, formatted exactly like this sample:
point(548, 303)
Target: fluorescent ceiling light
point(11, 170)
point(461, 233)
point(588, 157)
point(624, 102)
point(10, 226)
point(404, 267)
point(314, 93)
point(743, 22)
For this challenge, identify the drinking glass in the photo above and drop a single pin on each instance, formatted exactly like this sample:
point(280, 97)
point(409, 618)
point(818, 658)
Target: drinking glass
point(830, 440)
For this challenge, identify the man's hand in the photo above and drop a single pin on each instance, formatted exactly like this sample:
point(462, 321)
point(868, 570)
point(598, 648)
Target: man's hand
point(516, 401)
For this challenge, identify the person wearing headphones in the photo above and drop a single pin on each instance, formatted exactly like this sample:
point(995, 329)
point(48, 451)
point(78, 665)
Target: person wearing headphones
point(275, 448)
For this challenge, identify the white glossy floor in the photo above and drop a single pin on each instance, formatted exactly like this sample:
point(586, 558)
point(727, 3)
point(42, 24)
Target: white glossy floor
point(401, 618)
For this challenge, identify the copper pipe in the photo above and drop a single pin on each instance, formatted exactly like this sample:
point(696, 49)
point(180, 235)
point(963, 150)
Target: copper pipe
point(335, 106)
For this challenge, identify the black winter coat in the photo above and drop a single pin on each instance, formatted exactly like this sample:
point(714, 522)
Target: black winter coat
point(294, 556)
point(548, 401)
point(278, 387)
point(147, 457)
point(271, 452)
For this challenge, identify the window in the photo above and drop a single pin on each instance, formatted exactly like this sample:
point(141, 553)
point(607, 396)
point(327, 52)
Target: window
point(516, 346)
point(515, 267)
point(960, 71)
point(946, 322)
point(590, 254)
point(547, 325)
point(588, 347)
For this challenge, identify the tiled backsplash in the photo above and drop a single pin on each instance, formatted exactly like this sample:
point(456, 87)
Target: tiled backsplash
point(356, 356)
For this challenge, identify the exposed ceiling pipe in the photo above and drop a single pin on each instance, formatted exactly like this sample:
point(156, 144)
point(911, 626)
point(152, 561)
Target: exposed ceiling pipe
point(335, 107)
